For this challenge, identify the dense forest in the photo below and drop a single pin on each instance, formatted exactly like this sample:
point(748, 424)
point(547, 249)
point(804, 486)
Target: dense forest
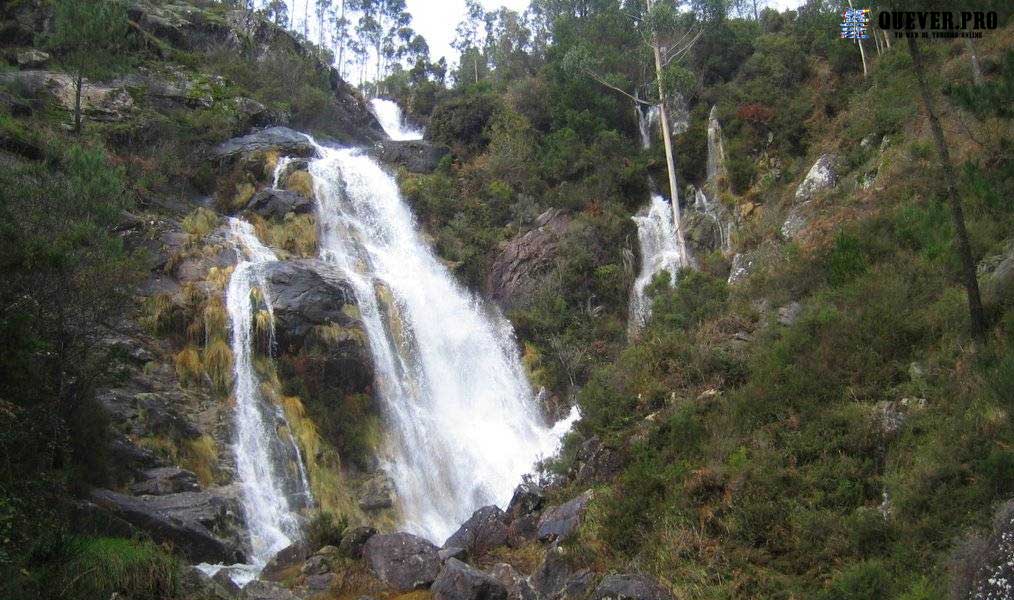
point(815, 401)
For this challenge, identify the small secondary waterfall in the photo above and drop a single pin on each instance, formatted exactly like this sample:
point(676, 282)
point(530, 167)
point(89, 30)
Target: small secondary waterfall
point(659, 252)
point(656, 235)
point(271, 520)
point(393, 122)
point(462, 423)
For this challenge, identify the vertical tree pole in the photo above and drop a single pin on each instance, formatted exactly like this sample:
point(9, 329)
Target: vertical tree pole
point(667, 141)
point(961, 234)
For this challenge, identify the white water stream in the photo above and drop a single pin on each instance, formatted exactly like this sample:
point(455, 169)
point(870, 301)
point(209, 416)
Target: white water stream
point(270, 517)
point(393, 121)
point(656, 235)
point(462, 422)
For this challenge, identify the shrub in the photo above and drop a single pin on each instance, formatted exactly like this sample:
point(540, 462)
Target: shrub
point(324, 529)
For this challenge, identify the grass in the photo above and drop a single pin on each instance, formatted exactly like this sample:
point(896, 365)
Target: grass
point(106, 567)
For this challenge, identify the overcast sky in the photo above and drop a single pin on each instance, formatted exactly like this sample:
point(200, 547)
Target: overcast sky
point(436, 19)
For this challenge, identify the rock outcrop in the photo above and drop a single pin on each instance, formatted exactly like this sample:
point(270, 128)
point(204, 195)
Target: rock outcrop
point(418, 156)
point(202, 526)
point(306, 294)
point(274, 203)
point(559, 522)
point(485, 530)
point(282, 140)
point(822, 176)
point(166, 480)
point(459, 581)
point(556, 579)
point(402, 561)
point(516, 272)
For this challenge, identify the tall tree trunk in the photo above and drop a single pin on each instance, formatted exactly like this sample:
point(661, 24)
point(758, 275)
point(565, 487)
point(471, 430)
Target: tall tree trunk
point(961, 234)
point(976, 71)
point(876, 42)
point(306, 19)
point(887, 39)
point(77, 101)
point(667, 141)
point(475, 67)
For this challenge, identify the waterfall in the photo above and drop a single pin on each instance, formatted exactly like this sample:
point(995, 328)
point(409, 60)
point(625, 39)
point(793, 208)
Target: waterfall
point(656, 235)
point(271, 520)
point(659, 252)
point(462, 424)
point(393, 122)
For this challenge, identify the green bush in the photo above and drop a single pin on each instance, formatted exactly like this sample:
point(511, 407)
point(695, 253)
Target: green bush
point(324, 529)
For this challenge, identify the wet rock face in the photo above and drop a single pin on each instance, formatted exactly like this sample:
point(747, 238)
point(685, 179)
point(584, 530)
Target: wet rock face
point(402, 561)
point(272, 203)
point(202, 526)
point(305, 294)
point(459, 581)
point(285, 141)
point(630, 587)
point(418, 156)
point(485, 530)
point(517, 270)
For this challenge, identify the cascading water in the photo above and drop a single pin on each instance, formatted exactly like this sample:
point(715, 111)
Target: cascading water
point(462, 422)
point(271, 520)
point(393, 121)
point(659, 252)
point(656, 235)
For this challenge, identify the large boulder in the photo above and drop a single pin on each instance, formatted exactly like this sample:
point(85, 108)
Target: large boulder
point(557, 579)
point(277, 203)
point(742, 266)
point(282, 140)
point(516, 584)
point(559, 522)
point(377, 493)
point(202, 526)
point(418, 156)
point(821, 176)
point(630, 587)
point(485, 530)
point(459, 581)
point(523, 513)
point(517, 270)
point(306, 294)
point(402, 561)
point(354, 541)
point(285, 562)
